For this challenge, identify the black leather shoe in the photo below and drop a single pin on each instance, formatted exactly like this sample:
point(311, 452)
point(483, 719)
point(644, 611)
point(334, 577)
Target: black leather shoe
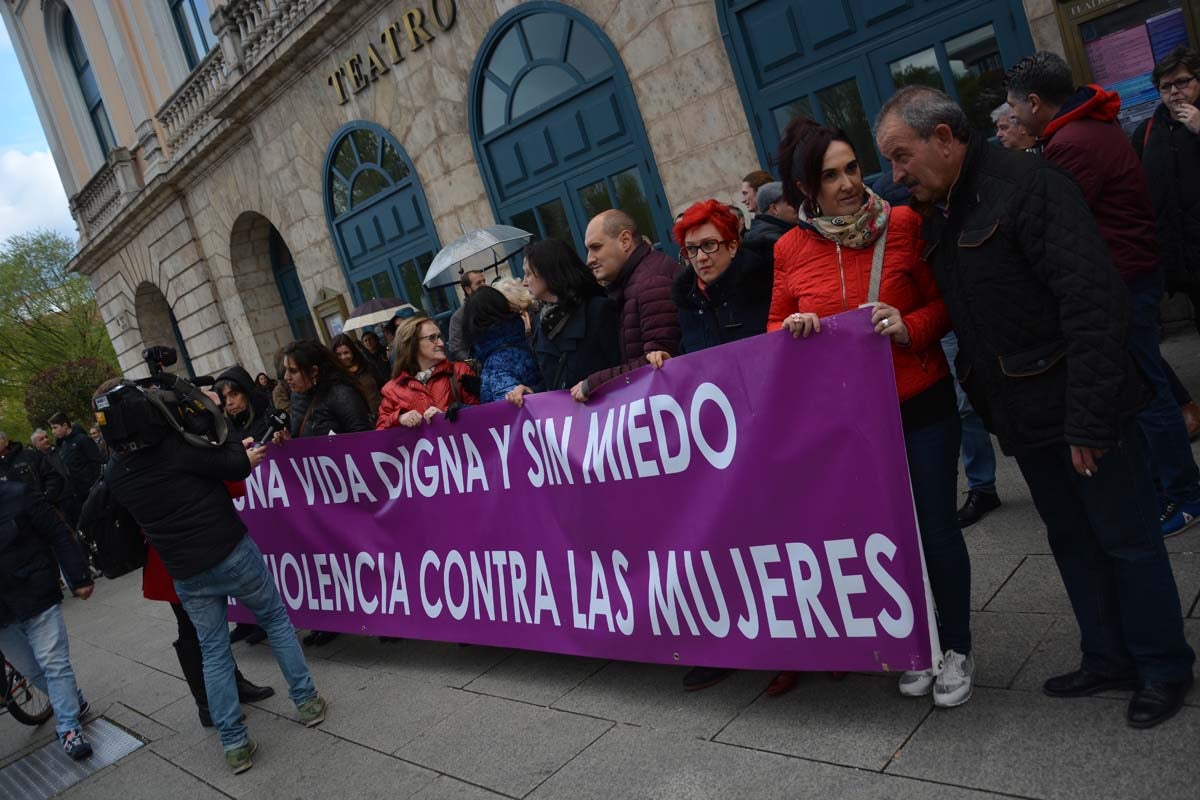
point(249, 692)
point(240, 631)
point(318, 638)
point(704, 677)
point(1156, 702)
point(1082, 683)
point(255, 636)
point(977, 506)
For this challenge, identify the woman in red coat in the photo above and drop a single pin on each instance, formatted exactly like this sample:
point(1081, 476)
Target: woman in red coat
point(425, 382)
point(158, 585)
point(823, 267)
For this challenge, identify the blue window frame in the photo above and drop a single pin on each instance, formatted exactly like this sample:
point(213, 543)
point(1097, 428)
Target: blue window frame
point(556, 129)
point(86, 78)
point(838, 62)
point(195, 32)
point(379, 220)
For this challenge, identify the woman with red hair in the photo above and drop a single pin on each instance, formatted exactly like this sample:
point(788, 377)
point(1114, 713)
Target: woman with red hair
point(723, 297)
point(726, 294)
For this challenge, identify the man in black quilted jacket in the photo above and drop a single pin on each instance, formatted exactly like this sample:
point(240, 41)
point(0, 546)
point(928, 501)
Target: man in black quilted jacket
point(1042, 318)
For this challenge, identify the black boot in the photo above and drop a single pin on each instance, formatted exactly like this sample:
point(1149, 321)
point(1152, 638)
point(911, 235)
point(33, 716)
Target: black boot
point(249, 693)
point(192, 665)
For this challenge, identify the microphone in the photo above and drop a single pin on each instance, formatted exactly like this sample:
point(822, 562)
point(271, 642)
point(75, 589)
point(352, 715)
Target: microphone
point(278, 420)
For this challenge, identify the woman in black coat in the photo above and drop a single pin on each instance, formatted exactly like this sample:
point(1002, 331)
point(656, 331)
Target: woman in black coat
point(575, 333)
point(324, 397)
point(726, 294)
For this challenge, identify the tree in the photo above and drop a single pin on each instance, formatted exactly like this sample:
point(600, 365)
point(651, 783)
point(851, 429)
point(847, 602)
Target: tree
point(48, 318)
point(47, 314)
point(68, 388)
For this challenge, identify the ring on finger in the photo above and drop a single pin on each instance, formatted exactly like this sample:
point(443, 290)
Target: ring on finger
point(886, 322)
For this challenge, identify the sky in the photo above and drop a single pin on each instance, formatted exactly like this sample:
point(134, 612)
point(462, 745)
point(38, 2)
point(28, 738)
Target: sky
point(31, 194)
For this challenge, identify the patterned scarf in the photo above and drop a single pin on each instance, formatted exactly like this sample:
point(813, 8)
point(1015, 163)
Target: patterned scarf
point(857, 230)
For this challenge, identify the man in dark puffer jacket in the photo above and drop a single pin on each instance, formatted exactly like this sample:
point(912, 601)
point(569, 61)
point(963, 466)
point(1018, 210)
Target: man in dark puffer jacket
point(34, 542)
point(1042, 317)
point(638, 280)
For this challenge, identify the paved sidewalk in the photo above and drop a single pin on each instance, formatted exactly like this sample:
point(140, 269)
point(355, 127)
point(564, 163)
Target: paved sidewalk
point(437, 721)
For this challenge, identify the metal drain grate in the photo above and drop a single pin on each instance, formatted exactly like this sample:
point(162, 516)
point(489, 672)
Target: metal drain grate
point(48, 771)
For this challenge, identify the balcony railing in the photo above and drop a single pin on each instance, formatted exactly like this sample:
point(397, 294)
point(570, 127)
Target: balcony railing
point(185, 113)
point(98, 202)
point(262, 23)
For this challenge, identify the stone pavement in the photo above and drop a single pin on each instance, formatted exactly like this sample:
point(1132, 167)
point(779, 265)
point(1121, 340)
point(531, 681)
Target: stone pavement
point(434, 721)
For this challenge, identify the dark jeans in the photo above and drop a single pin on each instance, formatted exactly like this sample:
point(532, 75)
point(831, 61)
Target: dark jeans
point(1178, 391)
point(978, 456)
point(1105, 536)
point(1167, 450)
point(933, 470)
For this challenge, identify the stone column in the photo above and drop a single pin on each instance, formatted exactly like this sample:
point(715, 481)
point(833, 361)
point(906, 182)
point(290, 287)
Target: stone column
point(150, 148)
point(226, 30)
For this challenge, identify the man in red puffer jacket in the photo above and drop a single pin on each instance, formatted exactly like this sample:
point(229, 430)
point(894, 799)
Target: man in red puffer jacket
point(638, 279)
point(1079, 131)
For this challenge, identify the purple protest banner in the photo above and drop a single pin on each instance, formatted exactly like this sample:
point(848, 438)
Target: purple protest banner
point(747, 507)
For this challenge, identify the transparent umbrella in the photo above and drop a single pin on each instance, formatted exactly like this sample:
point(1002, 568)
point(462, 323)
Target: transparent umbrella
point(480, 249)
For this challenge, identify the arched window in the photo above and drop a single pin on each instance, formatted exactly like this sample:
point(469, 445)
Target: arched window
point(538, 60)
point(195, 33)
point(381, 226)
point(556, 128)
point(87, 84)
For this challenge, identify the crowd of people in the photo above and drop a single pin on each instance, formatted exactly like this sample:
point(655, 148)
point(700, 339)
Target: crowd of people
point(1018, 285)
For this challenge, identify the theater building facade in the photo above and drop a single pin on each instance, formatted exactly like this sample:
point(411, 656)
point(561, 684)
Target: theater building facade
point(244, 172)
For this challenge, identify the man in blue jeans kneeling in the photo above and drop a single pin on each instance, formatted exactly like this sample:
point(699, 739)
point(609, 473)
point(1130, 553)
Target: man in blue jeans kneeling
point(34, 543)
point(174, 486)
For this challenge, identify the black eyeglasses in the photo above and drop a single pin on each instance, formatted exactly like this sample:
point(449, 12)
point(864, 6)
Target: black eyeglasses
point(1180, 84)
point(432, 338)
point(708, 246)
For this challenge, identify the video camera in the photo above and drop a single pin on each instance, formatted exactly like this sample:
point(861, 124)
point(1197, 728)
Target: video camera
point(140, 413)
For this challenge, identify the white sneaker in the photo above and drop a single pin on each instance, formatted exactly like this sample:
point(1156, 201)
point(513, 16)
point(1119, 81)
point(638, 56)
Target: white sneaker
point(917, 684)
point(954, 685)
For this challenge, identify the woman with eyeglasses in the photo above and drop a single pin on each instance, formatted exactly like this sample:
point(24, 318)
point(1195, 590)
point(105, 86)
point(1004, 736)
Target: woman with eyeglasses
point(726, 292)
point(824, 267)
point(424, 383)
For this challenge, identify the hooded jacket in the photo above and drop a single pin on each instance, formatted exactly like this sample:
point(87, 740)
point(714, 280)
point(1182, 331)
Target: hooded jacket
point(762, 235)
point(30, 466)
point(732, 307)
point(1085, 139)
point(254, 420)
point(34, 543)
point(1170, 156)
point(503, 351)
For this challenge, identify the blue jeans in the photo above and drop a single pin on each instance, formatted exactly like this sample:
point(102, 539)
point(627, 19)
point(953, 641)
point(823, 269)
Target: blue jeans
point(1167, 450)
point(1105, 536)
point(933, 470)
point(38, 648)
point(242, 575)
point(978, 457)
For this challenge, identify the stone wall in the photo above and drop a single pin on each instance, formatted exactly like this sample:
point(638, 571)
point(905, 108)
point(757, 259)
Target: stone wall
point(1043, 25)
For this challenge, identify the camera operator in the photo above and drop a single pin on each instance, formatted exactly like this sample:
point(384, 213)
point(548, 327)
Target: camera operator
point(34, 543)
point(172, 481)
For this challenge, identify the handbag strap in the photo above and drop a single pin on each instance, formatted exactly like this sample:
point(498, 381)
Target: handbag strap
point(876, 268)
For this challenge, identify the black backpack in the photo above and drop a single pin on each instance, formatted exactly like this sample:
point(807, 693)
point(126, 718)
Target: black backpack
point(111, 532)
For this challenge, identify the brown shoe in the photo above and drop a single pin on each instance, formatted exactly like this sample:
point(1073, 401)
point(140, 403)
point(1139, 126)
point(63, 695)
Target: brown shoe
point(1191, 418)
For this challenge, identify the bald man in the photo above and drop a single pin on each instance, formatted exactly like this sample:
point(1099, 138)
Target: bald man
point(638, 280)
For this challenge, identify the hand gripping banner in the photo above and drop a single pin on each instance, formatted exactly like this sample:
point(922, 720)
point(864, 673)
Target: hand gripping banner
point(748, 506)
